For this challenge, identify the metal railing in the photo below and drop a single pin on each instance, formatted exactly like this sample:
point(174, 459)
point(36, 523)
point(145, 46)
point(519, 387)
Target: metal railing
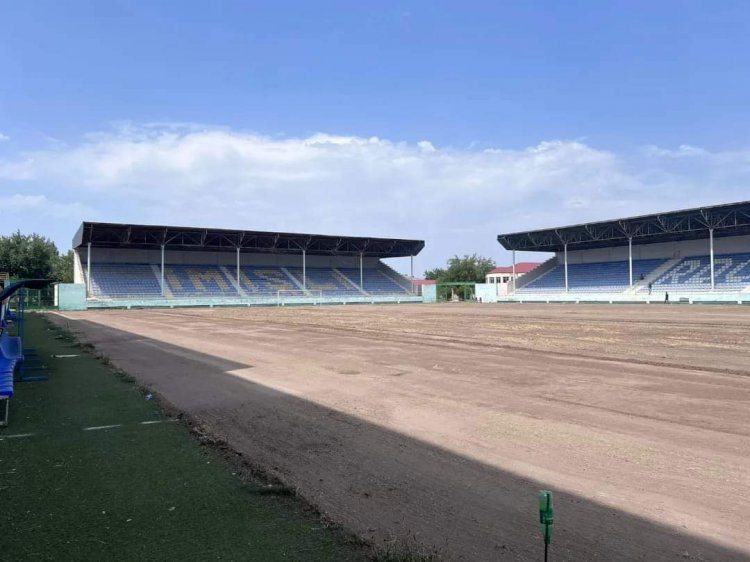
point(659, 296)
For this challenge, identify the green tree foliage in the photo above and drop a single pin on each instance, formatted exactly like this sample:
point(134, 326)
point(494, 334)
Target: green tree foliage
point(31, 256)
point(63, 271)
point(434, 274)
point(466, 269)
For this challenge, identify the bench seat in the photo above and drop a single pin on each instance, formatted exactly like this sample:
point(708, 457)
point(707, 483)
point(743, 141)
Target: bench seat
point(6, 377)
point(7, 367)
point(11, 347)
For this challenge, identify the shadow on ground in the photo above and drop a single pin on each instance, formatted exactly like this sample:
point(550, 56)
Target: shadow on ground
point(90, 470)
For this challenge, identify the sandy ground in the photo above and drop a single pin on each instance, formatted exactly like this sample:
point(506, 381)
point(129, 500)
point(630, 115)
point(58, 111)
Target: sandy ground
point(440, 423)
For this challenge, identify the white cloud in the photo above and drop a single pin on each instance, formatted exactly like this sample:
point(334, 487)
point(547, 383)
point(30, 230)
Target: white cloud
point(18, 202)
point(456, 199)
point(41, 207)
point(3, 137)
point(683, 151)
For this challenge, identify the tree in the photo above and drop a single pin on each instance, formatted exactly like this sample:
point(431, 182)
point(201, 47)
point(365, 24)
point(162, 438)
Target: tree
point(32, 256)
point(466, 269)
point(434, 274)
point(63, 271)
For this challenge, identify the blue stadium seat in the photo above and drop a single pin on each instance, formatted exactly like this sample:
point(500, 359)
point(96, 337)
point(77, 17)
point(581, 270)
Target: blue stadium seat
point(109, 280)
point(375, 282)
point(11, 347)
point(198, 280)
point(113, 280)
point(731, 273)
point(325, 280)
point(600, 277)
point(7, 367)
point(11, 353)
point(265, 280)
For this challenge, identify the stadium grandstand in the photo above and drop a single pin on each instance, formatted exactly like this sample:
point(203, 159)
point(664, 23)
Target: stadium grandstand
point(128, 265)
point(692, 255)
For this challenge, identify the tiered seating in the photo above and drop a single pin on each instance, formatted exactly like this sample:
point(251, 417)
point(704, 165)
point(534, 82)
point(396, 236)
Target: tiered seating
point(324, 279)
point(375, 282)
point(124, 280)
point(265, 280)
point(731, 272)
point(191, 281)
point(198, 280)
point(600, 277)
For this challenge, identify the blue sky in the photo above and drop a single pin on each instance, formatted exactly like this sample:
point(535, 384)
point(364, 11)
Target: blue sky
point(441, 120)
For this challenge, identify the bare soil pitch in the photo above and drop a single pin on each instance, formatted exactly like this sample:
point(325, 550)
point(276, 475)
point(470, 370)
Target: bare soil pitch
point(439, 423)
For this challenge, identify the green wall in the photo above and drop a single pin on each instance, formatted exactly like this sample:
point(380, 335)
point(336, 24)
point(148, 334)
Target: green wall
point(429, 293)
point(71, 296)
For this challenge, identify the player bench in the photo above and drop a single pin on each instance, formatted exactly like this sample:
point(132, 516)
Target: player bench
point(11, 347)
point(7, 366)
point(11, 353)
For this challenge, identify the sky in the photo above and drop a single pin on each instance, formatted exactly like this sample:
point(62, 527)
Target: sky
point(449, 122)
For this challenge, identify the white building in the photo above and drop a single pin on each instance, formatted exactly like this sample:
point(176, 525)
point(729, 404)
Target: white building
point(503, 276)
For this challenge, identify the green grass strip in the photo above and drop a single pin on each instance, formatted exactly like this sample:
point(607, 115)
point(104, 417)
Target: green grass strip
point(134, 491)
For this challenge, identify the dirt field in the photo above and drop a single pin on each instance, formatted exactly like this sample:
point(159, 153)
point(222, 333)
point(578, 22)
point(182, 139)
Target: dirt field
point(440, 423)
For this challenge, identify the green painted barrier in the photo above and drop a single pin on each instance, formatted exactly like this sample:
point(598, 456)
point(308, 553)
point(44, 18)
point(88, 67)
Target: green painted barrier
point(546, 518)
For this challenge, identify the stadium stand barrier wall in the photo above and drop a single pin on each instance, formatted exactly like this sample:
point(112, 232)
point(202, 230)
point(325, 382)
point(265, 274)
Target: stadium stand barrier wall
point(429, 293)
point(486, 292)
point(619, 298)
point(71, 296)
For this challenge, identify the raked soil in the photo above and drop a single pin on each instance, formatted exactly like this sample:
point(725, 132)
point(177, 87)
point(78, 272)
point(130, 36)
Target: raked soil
point(440, 423)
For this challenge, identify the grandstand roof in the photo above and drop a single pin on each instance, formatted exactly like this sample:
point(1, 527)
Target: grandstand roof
point(146, 237)
point(732, 219)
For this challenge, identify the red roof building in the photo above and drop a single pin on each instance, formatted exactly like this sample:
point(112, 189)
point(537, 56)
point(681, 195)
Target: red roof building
point(521, 268)
point(419, 283)
point(502, 277)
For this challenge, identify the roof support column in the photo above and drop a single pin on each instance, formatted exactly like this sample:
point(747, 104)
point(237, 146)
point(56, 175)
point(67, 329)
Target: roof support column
point(411, 274)
point(88, 271)
point(513, 280)
point(161, 281)
point(239, 291)
point(304, 271)
point(361, 274)
point(566, 267)
point(630, 258)
point(711, 244)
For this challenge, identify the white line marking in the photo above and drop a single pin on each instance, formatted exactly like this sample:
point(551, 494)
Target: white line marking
point(150, 422)
point(97, 427)
point(16, 436)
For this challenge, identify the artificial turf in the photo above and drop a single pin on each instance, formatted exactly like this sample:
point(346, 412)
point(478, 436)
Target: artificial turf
point(136, 491)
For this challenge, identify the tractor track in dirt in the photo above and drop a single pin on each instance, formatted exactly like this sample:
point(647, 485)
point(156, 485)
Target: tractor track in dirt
point(406, 421)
